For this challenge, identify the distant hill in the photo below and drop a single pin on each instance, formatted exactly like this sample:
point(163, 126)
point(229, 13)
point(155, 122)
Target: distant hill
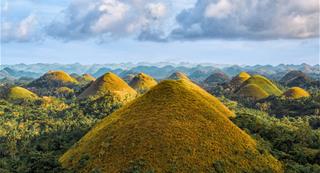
point(297, 78)
point(200, 75)
point(19, 93)
point(86, 78)
point(216, 78)
point(142, 82)
point(178, 76)
point(238, 80)
point(53, 79)
point(15, 74)
point(109, 83)
point(258, 87)
point(296, 93)
point(176, 126)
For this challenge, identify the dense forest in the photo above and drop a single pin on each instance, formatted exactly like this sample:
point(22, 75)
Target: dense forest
point(36, 130)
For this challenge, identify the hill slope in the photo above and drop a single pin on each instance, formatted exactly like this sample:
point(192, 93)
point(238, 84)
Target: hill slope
point(216, 78)
point(296, 92)
point(109, 83)
point(142, 82)
point(171, 128)
point(17, 93)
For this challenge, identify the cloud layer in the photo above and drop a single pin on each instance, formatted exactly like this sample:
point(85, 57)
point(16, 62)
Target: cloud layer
point(249, 19)
point(148, 20)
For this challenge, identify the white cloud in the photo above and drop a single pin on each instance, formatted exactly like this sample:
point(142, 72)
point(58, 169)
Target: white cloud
point(21, 31)
point(107, 18)
point(219, 10)
point(249, 19)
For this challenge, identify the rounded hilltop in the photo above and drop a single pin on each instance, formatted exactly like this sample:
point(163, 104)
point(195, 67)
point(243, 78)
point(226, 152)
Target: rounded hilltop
point(109, 83)
point(296, 93)
point(174, 126)
point(178, 75)
point(253, 91)
point(87, 77)
point(142, 82)
point(19, 93)
point(216, 78)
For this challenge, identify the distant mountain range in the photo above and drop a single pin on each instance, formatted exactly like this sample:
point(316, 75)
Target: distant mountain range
point(157, 70)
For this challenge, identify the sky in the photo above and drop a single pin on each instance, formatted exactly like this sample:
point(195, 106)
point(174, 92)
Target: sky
point(197, 31)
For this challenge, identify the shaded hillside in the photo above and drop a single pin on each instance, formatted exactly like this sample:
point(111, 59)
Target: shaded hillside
point(253, 91)
point(109, 83)
point(239, 79)
point(142, 82)
point(176, 126)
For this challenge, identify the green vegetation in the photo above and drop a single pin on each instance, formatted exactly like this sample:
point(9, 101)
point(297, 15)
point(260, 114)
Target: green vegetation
point(264, 83)
point(253, 91)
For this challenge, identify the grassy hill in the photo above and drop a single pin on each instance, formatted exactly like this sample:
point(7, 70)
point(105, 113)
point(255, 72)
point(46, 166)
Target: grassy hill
point(19, 93)
point(175, 127)
point(54, 79)
point(109, 83)
point(264, 84)
point(142, 82)
point(296, 92)
point(177, 76)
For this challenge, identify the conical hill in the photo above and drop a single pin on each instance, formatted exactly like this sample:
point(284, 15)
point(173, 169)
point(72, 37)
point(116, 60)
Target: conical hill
point(264, 84)
point(253, 91)
point(142, 82)
point(173, 127)
point(109, 83)
point(239, 79)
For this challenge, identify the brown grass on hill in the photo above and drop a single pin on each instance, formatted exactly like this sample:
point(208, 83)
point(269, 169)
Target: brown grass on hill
point(175, 127)
point(109, 83)
point(296, 93)
point(60, 76)
point(88, 77)
point(253, 91)
point(142, 82)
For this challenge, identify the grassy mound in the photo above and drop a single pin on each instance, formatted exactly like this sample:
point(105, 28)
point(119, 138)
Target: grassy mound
point(109, 83)
point(178, 75)
point(142, 82)
point(263, 83)
point(296, 93)
point(253, 91)
point(239, 79)
point(60, 76)
point(19, 93)
point(175, 127)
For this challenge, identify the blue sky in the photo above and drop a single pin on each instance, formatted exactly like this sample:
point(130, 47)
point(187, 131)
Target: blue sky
point(105, 31)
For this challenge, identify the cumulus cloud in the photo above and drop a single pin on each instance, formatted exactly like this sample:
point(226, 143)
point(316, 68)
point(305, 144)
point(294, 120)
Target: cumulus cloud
point(20, 31)
point(107, 18)
point(249, 19)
